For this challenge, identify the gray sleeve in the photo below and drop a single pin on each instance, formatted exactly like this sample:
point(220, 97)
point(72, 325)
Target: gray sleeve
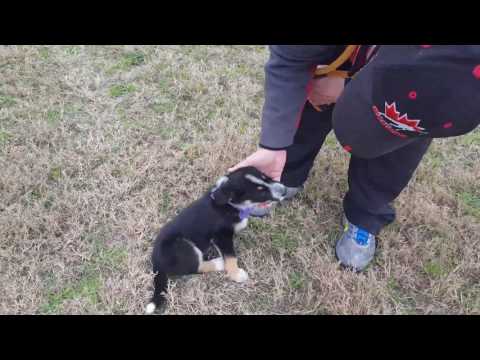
point(287, 75)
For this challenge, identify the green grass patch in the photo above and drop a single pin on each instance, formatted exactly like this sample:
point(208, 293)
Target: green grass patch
point(35, 194)
point(133, 59)
point(55, 173)
point(434, 159)
point(72, 50)
point(86, 288)
point(44, 53)
point(53, 117)
point(4, 137)
point(472, 138)
point(284, 241)
point(166, 203)
point(470, 203)
point(163, 106)
point(128, 61)
point(103, 260)
point(121, 90)
point(435, 269)
point(109, 258)
point(6, 101)
point(260, 225)
point(296, 280)
point(165, 85)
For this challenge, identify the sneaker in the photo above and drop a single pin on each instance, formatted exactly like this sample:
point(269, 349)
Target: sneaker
point(265, 209)
point(356, 247)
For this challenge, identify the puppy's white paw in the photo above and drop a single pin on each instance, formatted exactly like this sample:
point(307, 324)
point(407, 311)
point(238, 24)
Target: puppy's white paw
point(218, 263)
point(240, 276)
point(150, 309)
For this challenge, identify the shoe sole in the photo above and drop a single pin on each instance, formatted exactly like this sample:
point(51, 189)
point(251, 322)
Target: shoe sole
point(348, 267)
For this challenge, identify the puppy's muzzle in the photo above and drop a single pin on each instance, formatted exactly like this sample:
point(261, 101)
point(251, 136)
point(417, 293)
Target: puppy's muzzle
point(278, 191)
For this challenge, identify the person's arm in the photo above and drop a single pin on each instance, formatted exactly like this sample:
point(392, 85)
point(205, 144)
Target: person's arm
point(288, 73)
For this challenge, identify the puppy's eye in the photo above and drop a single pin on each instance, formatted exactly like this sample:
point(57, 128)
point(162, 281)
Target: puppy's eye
point(260, 188)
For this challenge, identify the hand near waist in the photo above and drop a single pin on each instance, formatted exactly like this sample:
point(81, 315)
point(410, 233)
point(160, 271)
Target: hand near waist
point(325, 91)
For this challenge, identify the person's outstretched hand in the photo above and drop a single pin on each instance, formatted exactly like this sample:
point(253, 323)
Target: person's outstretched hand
point(270, 162)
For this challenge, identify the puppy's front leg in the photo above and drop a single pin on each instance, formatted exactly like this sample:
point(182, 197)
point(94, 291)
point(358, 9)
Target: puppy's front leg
point(224, 241)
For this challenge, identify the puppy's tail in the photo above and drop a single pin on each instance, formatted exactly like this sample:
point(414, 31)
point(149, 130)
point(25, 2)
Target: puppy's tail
point(160, 282)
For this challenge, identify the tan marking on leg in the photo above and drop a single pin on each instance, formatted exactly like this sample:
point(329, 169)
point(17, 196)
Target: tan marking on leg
point(231, 265)
point(211, 265)
point(233, 271)
point(206, 267)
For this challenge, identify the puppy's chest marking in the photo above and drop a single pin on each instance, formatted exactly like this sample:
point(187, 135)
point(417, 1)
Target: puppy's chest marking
point(240, 226)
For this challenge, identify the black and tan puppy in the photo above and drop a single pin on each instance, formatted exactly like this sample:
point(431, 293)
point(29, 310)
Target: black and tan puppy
point(211, 220)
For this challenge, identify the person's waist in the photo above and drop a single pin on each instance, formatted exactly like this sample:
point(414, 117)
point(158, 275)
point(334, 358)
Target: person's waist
point(349, 66)
point(361, 57)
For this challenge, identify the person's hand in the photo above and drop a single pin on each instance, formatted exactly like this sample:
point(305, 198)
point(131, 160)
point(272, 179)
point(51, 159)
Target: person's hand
point(270, 162)
point(326, 91)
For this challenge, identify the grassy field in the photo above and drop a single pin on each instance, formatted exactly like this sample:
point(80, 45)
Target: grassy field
point(100, 145)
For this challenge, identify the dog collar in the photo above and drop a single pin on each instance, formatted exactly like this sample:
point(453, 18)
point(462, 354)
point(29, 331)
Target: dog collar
point(242, 213)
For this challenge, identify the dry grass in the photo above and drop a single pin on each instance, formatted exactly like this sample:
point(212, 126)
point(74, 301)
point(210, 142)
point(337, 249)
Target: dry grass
point(100, 145)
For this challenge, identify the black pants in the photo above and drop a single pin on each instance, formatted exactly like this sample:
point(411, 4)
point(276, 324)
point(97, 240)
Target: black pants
point(373, 184)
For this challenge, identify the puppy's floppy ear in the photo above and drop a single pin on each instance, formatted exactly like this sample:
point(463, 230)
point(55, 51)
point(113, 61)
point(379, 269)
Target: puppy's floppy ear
point(222, 193)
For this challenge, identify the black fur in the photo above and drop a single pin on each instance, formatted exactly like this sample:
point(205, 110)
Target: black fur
point(210, 219)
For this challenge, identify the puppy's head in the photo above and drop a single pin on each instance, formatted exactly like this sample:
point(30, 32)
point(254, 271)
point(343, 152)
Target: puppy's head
point(247, 187)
